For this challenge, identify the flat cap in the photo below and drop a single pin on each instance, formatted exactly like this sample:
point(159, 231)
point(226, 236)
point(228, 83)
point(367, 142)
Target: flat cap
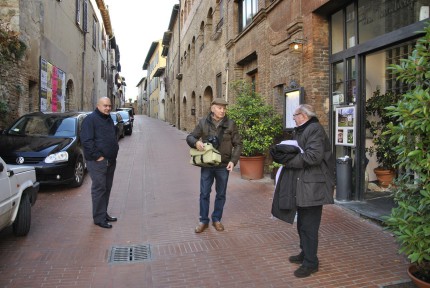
point(219, 101)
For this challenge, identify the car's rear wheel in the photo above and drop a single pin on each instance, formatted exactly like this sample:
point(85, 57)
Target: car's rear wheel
point(21, 225)
point(79, 173)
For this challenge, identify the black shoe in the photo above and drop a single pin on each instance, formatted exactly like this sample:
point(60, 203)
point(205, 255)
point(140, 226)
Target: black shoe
point(304, 271)
point(110, 218)
point(104, 225)
point(297, 259)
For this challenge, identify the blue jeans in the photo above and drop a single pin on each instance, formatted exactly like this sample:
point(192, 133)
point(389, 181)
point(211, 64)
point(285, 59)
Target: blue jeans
point(101, 173)
point(207, 177)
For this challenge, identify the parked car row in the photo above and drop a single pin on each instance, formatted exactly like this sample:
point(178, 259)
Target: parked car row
point(50, 142)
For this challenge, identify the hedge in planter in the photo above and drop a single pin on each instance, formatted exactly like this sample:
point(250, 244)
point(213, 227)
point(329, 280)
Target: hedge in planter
point(257, 122)
point(410, 219)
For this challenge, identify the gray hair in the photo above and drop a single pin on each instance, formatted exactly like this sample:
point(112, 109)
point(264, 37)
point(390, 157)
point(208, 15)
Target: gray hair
point(307, 109)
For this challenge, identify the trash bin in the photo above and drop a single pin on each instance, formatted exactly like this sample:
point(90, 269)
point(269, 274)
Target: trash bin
point(343, 178)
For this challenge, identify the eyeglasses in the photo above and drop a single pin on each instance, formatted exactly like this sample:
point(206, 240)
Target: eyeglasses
point(294, 115)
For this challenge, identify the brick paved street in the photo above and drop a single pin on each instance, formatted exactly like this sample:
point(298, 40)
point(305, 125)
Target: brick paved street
point(155, 197)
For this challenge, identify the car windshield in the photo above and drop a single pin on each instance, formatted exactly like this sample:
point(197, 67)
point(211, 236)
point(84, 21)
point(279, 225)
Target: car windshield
point(44, 125)
point(113, 116)
point(124, 115)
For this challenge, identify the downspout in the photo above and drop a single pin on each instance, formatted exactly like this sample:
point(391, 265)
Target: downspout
point(226, 82)
point(83, 72)
point(179, 66)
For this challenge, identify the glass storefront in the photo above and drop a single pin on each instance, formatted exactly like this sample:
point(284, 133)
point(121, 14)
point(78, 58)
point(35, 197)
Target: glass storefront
point(360, 55)
point(376, 18)
point(378, 78)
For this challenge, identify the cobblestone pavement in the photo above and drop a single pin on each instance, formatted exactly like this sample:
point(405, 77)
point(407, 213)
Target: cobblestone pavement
point(155, 196)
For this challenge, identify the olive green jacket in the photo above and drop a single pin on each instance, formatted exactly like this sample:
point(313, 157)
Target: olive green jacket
point(231, 145)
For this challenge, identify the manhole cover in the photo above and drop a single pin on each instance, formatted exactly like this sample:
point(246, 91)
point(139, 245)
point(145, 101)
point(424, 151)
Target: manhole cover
point(135, 253)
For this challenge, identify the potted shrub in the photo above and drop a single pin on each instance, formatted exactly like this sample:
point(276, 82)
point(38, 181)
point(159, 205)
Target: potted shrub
point(410, 219)
point(376, 122)
point(258, 124)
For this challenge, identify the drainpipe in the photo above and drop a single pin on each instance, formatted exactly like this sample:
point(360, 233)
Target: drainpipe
point(226, 82)
point(83, 72)
point(179, 66)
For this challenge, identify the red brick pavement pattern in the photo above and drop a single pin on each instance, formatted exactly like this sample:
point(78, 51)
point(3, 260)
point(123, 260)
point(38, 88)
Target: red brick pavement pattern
point(155, 196)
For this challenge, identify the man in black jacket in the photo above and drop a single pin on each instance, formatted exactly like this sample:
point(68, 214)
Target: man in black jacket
point(312, 183)
point(98, 136)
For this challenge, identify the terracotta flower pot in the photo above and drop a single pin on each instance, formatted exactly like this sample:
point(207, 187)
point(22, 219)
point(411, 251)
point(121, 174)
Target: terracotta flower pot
point(418, 282)
point(385, 176)
point(252, 168)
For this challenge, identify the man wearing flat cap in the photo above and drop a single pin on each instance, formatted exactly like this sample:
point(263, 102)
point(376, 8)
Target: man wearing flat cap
point(216, 128)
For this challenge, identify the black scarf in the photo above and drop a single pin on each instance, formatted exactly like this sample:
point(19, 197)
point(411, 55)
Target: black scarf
point(302, 127)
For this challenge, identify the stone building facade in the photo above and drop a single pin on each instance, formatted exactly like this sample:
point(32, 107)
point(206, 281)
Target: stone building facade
point(335, 54)
point(156, 92)
point(217, 46)
point(69, 59)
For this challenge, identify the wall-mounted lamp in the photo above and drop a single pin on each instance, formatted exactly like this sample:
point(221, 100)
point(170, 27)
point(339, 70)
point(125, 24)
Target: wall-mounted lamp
point(296, 46)
point(193, 111)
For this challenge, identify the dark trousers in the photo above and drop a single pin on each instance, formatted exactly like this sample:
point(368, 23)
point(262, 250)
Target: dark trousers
point(101, 173)
point(308, 224)
point(207, 177)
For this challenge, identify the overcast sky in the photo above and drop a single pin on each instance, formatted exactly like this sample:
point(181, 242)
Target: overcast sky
point(136, 24)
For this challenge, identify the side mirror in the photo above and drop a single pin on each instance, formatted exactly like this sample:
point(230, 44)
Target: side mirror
point(1, 167)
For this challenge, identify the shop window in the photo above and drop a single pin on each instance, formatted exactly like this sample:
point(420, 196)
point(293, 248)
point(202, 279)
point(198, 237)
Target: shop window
point(337, 32)
point(393, 56)
point(351, 81)
point(350, 26)
point(344, 82)
point(377, 18)
point(372, 19)
point(338, 93)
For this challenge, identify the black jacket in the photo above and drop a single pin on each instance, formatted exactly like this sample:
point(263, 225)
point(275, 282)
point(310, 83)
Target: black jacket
point(314, 168)
point(284, 198)
point(98, 136)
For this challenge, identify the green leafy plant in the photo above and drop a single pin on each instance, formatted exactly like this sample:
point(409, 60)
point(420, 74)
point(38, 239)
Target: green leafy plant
point(274, 165)
point(258, 122)
point(3, 107)
point(377, 121)
point(410, 219)
point(11, 47)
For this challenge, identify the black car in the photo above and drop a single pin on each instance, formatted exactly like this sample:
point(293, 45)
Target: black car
point(119, 124)
point(128, 124)
point(50, 142)
point(130, 113)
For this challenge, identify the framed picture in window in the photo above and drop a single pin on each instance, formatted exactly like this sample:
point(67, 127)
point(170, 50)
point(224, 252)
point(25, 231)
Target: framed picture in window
point(346, 126)
point(293, 98)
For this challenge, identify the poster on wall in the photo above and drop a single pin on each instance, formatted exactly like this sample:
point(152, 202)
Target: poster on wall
point(345, 126)
point(52, 87)
point(293, 98)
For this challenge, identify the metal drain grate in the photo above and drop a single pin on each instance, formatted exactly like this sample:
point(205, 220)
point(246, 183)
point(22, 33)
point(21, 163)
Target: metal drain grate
point(136, 253)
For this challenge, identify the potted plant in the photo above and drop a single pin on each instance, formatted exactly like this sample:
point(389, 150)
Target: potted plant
point(376, 122)
point(409, 220)
point(258, 124)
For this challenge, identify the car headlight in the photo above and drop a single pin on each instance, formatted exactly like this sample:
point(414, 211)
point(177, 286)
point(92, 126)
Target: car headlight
point(57, 157)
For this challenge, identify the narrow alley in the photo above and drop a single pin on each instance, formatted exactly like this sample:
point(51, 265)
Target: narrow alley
point(153, 244)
